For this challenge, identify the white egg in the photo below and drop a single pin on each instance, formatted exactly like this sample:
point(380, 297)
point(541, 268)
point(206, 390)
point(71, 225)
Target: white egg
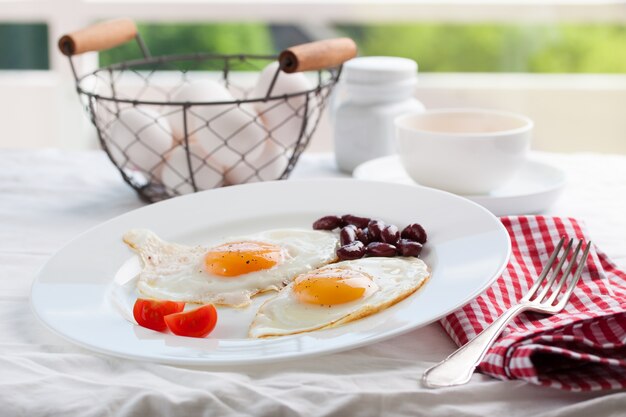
point(337, 294)
point(231, 271)
point(268, 166)
point(196, 91)
point(175, 174)
point(139, 138)
point(98, 84)
point(283, 118)
point(227, 132)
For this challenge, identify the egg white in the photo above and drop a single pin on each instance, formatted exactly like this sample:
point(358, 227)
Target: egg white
point(171, 271)
point(396, 278)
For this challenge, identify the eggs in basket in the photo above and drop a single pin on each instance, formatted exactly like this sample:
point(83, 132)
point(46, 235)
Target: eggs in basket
point(225, 144)
point(171, 130)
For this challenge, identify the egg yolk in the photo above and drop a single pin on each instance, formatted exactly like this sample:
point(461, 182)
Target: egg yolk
point(238, 258)
point(332, 286)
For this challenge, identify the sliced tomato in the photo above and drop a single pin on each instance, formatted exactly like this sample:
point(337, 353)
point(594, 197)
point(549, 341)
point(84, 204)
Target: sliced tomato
point(151, 313)
point(194, 323)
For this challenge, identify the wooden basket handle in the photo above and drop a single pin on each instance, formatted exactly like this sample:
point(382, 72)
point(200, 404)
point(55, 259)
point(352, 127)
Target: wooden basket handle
point(318, 55)
point(98, 37)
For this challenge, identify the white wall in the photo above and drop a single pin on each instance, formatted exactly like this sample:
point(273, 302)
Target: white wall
point(37, 110)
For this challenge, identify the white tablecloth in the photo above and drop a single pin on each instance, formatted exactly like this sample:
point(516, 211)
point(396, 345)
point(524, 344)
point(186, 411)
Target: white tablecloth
point(47, 197)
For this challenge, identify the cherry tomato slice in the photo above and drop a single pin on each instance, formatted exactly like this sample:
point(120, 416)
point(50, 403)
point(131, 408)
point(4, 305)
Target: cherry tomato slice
point(151, 313)
point(195, 323)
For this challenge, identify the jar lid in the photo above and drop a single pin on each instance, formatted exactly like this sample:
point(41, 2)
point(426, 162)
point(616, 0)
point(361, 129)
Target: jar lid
point(379, 70)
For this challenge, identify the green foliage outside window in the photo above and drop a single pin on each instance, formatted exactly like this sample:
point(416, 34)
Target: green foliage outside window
point(219, 38)
point(437, 47)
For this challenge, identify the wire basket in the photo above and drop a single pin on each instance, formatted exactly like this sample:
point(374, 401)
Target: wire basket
point(171, 129)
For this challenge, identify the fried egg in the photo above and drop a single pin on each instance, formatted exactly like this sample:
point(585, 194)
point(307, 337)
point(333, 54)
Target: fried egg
point(337, 294)
point(232, 271)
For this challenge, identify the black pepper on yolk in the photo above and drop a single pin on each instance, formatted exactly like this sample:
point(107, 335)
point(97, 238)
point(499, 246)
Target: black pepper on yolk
point(332, 286)
point(238, 258)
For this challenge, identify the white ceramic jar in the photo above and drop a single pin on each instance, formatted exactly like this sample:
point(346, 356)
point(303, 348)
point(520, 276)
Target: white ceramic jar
point(374, 91)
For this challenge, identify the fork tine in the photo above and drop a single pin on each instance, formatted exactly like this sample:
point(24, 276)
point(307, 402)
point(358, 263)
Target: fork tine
point(555, 272)
point(532, 290)
point(572, 286)
point(568, 270)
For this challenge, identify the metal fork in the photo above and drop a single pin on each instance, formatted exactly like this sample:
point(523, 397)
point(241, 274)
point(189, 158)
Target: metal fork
point(457, 369)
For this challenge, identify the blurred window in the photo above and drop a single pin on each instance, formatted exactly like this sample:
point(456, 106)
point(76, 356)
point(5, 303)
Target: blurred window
point(23, 46)
point(555, 60)
point(547, 48)
point(437, 47)
point(171, 38)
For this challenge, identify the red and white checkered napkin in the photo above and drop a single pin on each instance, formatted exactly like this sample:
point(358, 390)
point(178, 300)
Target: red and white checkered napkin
point(582, 348)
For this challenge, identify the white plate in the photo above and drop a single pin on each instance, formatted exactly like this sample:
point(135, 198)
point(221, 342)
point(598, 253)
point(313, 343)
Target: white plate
point(533, 190)
point(80, 290)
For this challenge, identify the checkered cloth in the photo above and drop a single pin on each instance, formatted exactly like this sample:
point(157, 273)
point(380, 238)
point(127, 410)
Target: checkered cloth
point(582, 348)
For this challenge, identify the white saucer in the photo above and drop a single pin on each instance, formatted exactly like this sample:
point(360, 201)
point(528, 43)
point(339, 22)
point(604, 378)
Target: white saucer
point(534, 189)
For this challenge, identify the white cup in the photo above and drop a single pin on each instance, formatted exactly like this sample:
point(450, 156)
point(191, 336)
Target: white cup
point(464, 151)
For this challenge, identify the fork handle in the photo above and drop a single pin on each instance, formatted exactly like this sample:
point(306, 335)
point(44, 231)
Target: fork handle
point(457, 369)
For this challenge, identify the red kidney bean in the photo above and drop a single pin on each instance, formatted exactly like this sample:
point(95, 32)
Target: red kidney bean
point(359, 222)
point(327, 223)
point(380, 249)
point(362, 236)
point(374, 229)
point(354, 250)
point(408, 247)
point(415, 232)
point(347, 234)
point(390, 234)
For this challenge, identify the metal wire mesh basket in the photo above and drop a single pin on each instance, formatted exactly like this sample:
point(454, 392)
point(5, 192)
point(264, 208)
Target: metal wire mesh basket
point(171, 129)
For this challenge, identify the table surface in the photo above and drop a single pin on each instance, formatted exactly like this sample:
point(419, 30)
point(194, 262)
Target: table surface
point(48, 197)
